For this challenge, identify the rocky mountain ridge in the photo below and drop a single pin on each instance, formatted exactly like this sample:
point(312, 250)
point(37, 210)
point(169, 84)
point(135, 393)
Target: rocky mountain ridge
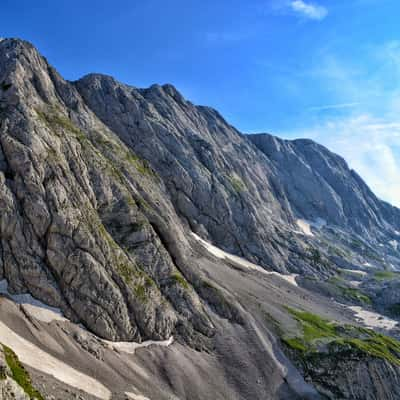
point(102, 185)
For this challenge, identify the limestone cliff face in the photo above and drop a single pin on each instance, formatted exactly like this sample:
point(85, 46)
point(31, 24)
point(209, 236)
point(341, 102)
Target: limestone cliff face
point(220, 185)
point(350, 376)
point(102, 183)
point(243, 192)
point(85, 224)
point(319, 184)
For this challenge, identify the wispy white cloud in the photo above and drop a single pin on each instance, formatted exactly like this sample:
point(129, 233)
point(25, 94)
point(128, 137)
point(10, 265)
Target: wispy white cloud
point(367, 131)
point(309, 10)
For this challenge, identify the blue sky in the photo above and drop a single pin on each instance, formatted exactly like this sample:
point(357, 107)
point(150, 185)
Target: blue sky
point(325, 69)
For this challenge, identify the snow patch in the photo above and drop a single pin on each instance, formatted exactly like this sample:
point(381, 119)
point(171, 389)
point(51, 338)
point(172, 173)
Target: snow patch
point(45, 313)
point(368, 265)
point(131, 347)
point(356, 271)
point(133, 396)
point(305, 227)
point(221, 254)
point(291, 278)
point(36, 358)
point(372, 319)
point(32, 306)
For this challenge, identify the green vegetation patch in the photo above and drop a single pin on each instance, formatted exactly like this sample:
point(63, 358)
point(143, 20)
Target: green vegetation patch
point(347, 292)
point(141, 290)
point(339, 252)
point(237, 184)
point(356, 294)
point(56, 120)
point(386, 275)
point(126, 272)
point(318, 332)
point(180, 280)
point(20, 375)
point(313, 326)
point(141, 165)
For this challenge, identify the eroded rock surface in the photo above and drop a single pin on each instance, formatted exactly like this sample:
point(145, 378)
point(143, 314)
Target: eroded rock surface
point(101, 185)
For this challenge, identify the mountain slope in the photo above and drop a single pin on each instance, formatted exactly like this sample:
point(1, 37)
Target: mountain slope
point(227, 190)
point(319, 184)
point(218, 183)
point(78, 230)
point(103, 188)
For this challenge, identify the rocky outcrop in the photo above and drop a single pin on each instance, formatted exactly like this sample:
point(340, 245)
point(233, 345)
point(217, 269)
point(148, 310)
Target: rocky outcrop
point(220, 185)
point(85, 224)
point(352, 376)
point(320, 185)
point(101, 185)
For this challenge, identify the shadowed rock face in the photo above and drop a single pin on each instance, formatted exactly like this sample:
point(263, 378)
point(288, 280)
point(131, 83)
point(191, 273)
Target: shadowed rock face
point(244, 198)
point(220, 185)
point(351, 376)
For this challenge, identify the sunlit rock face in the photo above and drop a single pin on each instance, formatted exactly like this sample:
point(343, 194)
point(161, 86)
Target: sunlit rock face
point(142, 218)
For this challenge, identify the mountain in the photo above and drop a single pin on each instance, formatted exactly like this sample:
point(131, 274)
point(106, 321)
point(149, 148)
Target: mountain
point(152, 251)
point(320, 185)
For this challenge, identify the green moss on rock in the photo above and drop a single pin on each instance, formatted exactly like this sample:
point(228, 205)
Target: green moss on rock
point(236, 183)
point(317, 332)
point(126, 272)
point(180, 280)
point(20, 375)
point(386, 275)
point(141, 165)
point(54, 120)
point(349, 293)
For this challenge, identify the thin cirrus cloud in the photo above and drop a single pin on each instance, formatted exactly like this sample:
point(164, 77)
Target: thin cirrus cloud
point(309, 10)
point(367, 132)
point(370, 145)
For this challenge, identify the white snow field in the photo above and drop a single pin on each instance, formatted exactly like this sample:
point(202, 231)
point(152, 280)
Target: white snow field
point(131, 347)
point(133, 396)
point(35, 357)
point(372, 319)
point(305, 227)
point(221, 254)
point(33, 307)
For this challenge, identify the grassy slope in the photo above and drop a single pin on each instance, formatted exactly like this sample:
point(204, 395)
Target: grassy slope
point(318, 332)
point(20, 375)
